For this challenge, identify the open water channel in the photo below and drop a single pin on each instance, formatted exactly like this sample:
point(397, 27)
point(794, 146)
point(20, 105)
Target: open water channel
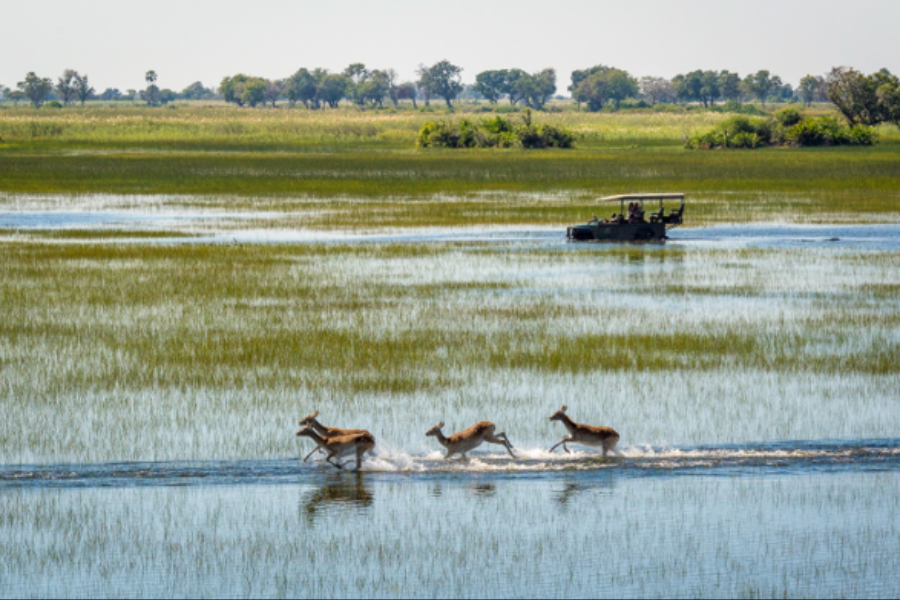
point(745, 515)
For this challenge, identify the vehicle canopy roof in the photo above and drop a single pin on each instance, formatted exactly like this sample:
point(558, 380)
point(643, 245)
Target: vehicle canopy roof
point(647, 196)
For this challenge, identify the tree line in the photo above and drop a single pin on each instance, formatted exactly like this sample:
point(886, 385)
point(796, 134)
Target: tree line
point(861, 99)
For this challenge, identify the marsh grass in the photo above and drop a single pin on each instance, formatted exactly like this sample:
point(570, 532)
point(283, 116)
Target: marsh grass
point(99, 234)
point(823, 535)
point(282, 158)
point(189, 343)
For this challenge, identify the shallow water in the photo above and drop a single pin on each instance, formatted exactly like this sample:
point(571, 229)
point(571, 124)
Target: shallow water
point(817, 520)
point(727, 482)
point(219, 226)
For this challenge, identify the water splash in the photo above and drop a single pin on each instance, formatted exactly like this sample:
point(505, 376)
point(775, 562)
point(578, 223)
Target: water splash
point(638, 460)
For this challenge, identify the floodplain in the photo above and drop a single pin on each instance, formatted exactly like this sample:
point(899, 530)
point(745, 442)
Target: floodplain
point(159, 346)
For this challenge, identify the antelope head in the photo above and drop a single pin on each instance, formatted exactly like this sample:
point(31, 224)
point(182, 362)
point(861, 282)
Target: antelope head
point(308, 419)
point(436, 430)
point(306, 432)
point(559, 415)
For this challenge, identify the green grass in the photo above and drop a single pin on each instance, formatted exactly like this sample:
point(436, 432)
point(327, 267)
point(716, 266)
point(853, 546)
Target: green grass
point(143, 350)
point(360, 168)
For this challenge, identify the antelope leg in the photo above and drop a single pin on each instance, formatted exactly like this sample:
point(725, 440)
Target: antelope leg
point(502, 436)
point(562, 443)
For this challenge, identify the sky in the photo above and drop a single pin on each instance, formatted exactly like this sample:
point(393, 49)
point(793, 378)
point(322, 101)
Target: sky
point(116, 41)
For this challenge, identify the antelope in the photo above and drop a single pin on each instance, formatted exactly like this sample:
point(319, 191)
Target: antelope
point(469, 439)
point(325, 432)
point(589, 435)
point(339, 445)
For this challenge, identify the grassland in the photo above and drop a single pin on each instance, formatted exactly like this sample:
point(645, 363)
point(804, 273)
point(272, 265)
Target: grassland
point(133, 352)
point(362, 170)
point(167, 349)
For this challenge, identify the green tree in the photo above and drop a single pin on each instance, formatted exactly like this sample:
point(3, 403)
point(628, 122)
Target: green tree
point(580, 75)
point(16, 96)
point(730, 86)
point(605, 86)
point(151, 93)
point(888, 94)
point(424, 83)
point(855, 96)
point(709, 87)
point(35, 88)
point(443, 79)
point(65, 86)
point(698, 86)
point(688, 86)
point(538, 88)
point(374, 89)
point(274, 91)
point(657, 90)
point(332, 89)
point(110, 94)
point(301, 87)
point(515, 87)
point(166, 95)
point(390, 77)
point(83, 89)
point(254, 91)
point(492, 84)
point(809, 87)
point(760, 84)
point(356, 75)
point(196, 91)
point(232, 88)
point(408, 91)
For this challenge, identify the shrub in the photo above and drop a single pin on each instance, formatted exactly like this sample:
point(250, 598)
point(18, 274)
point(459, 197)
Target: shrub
point(438, 134)
point(53, 104)
point(732, 106)
point(788, 126)
point(788, 116)
point(493, 132)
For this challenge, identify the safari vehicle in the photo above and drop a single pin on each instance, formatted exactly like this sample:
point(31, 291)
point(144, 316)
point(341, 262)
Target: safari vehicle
point(632, 225)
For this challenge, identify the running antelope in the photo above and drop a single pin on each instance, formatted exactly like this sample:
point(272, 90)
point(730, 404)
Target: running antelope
point(325, 432)
point(589, 435)
point(469, 439)
point(339, 445)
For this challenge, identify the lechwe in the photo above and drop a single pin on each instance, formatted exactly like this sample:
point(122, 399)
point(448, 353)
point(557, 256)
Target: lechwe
point(339, 445)
point(324, 431)
point(469, 439)
point(589, 435)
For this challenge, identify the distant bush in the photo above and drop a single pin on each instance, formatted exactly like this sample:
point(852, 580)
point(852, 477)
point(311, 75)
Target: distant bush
point(789, 127)
point(53, 104)
point(738, 108)
point(493, 132)
point(789, 116)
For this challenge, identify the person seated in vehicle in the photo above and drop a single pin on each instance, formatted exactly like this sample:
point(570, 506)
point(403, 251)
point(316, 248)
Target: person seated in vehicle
point(639, 213)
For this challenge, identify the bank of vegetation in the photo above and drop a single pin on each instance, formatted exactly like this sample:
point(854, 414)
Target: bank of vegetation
point(788, 127)
point(863, 99)
point(493, 132)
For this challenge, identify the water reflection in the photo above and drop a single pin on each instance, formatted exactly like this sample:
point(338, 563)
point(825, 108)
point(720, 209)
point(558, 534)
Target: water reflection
point(339, 492)
point(574, 489)
point(483, 490)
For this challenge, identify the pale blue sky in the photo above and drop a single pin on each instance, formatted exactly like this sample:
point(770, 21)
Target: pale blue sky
point(116, 41)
